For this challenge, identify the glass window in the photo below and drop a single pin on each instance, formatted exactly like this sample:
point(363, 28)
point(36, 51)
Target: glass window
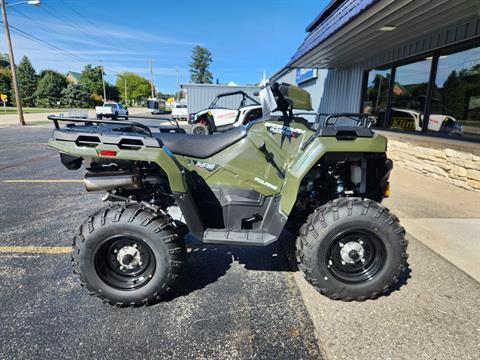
point(375, 95)
point(409, 94)
point(456, 96)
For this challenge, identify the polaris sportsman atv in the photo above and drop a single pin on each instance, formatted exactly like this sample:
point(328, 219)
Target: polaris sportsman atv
point(242, 187)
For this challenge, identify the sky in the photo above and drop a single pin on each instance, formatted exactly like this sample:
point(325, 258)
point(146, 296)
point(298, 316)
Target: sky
point(245, 37)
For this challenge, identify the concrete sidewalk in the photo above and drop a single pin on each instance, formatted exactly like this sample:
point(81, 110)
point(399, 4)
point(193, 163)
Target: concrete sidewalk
point(442, 216)
point(434, 315)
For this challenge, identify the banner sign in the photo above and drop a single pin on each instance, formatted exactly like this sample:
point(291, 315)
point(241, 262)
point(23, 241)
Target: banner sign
point(305, 75)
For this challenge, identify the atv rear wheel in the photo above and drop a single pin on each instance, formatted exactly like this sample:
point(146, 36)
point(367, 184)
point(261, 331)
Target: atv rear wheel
point(128, 255)
point(200, 129)
point(352, 249)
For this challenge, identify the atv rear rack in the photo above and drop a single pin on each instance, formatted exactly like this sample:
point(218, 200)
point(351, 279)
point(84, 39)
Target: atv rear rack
point(133, 124)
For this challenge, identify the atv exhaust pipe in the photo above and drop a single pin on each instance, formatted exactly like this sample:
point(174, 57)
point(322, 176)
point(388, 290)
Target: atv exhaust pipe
point(111, 181)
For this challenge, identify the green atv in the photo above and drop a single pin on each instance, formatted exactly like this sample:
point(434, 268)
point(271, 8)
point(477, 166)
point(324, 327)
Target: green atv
point(245, 186)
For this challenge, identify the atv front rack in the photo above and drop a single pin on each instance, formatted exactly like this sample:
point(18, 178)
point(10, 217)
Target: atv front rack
point(331, 119)
point(355, 119)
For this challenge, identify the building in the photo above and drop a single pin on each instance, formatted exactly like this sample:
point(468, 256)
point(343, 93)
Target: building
point(73, 77)
point(200, 96)
point(403, 61)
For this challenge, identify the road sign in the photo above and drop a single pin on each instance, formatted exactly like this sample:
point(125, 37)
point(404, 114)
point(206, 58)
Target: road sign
point(3, 97)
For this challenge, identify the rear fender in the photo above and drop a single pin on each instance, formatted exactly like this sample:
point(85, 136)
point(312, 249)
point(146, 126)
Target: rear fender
point(159, 155)
point(310, 156)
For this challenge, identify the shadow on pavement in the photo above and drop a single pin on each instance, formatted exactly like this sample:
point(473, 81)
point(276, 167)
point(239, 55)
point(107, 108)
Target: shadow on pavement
point(206, 264)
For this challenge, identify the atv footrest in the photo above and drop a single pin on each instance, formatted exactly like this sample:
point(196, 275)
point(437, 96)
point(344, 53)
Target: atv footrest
point(239, 237)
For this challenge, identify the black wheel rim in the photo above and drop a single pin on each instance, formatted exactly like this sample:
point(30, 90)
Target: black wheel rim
point(355, 256)
point(125, 262)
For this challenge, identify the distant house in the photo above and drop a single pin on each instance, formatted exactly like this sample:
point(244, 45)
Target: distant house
point(73, 77)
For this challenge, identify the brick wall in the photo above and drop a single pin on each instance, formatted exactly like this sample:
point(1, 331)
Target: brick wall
point(452, 161)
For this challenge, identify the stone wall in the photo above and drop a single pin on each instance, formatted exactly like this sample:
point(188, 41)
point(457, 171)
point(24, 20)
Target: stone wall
point(452, 161)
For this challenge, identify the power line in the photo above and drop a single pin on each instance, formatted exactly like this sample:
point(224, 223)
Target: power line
point(45, 43)
point(76, 12)
point(71, 22)
point(53, 47)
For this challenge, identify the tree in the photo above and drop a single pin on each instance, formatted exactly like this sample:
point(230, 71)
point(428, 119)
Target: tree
point(160, 95)
point(27, 81)
point(4, 62)
point(201, 60)
point(6, 83)
point(91, 79)
point(113, 93)
point(138, 87)
point(75, 96)
point(49, 89)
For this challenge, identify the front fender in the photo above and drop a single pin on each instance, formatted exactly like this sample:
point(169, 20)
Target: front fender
point(307, 158)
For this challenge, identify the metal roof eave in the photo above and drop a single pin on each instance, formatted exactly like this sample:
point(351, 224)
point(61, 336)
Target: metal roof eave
point(343, 14)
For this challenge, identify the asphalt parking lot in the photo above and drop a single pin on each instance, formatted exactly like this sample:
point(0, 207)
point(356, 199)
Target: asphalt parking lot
point(234, 302)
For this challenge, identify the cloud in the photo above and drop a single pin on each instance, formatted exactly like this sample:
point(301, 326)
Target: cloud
point(119, 48)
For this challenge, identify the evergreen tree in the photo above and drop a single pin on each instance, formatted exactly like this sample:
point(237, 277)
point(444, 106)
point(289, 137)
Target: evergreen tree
point(6, 83)
point(4, 62)
point(49, 89)
point(201, 60)
point(113, 94)
point(27, 81)
point(75, 96)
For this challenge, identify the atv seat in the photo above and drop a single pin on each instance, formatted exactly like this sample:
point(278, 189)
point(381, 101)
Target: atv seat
point(200, 146)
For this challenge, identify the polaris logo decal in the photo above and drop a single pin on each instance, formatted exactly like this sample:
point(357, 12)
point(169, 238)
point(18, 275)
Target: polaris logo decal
point(284, 130)
point(266, 183)
point(204, 165)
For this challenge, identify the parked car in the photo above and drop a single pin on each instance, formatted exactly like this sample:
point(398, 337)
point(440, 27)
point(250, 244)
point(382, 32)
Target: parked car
point(111, 110)
point(408, 119)
point(180, 112)
point(217, 117)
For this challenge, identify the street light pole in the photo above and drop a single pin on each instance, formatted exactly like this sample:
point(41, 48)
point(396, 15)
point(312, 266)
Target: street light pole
point(12, 65)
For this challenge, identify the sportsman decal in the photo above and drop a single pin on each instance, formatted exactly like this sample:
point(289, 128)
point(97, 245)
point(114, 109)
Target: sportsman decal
point(286, 131)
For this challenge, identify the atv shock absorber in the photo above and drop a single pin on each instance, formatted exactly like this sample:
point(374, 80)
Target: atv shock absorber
point(341, 175)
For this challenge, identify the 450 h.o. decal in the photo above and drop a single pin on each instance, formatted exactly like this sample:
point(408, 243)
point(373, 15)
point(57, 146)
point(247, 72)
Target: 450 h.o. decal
point(203, 165)
point(284, 130)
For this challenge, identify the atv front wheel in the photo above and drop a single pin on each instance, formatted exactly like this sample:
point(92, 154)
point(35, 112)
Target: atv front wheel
point(128, 255)
point(352, 249)
point(200, 129)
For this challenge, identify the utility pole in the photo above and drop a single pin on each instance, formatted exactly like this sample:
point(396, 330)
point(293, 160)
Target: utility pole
point(126, 98)
point(12, 65)
point(151, 80)
point(103, 82)
point(178, 85)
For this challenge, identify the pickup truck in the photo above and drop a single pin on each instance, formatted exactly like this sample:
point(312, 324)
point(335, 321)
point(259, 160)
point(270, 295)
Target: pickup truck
point(111, 110)
point(180, 112)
